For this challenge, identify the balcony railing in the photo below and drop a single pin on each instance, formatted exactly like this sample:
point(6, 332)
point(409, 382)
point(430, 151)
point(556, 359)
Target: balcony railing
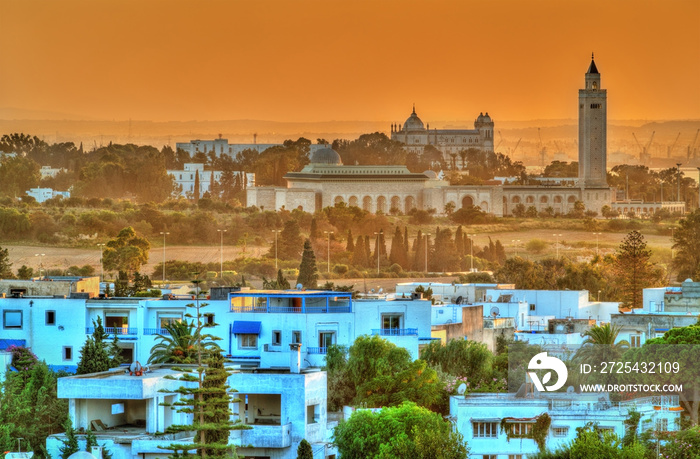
point(316, 350)
point(267, 436)
point(114, 330)
point(395, 331)
point(156, 331)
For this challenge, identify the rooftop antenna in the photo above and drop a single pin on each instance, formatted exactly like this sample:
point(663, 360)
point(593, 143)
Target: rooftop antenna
point(255, 138)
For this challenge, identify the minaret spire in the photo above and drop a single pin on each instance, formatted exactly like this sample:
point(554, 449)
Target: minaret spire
point(414, 108)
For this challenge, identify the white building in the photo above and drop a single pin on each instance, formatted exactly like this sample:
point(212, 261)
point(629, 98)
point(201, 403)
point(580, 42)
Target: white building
point(256, 327)
point(48, 171)
point(478, 417)
point(185, 178)
point(280, 407)
point(42, 194)
point(222, 147)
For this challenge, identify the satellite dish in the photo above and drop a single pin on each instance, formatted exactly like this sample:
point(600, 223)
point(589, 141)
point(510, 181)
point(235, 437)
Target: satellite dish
point(371, 290)
point(489, 299)
point(570, 390)
point(495, 311)
point(459, 300)
point(462, 389)
point(381, 290)
point(299, 286)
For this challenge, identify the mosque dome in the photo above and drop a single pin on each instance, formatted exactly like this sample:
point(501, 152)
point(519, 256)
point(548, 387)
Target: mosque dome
point(413, 123)
point(487, 118)
point(430, 174)
point(326, 156)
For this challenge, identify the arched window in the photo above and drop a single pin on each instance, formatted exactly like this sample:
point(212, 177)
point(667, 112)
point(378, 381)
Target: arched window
point(338, 200)
point(381, 204)
point(544, 199)
point(515, 200)
point(367, 204)
point(530, 200)
point(467, 201)
point(352, 202)
point(409, 204)
point(557, 199)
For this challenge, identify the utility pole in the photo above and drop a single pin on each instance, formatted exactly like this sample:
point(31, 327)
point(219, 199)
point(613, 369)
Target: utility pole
point(596, 243)
point(557, 243)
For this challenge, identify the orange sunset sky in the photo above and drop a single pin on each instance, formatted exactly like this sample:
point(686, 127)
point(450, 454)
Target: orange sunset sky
point(312, 60)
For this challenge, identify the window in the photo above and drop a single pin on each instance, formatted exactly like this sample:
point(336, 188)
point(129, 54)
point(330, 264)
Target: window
point(248, 341)
point(313, 414)
point(12, 319)
point(521, 428)
point(276, 337)
point(50, 317)
point(485, 429)
point(391, 321)
point(326, 339)
point(296, 337)
point(560, 431)
point(118, 408)
point(515, 456)
point(662, 424)
point(67, 352)
point(532, 307)
point(490, 456)
point(636, 340)
point(210, 319)
point(165, 319)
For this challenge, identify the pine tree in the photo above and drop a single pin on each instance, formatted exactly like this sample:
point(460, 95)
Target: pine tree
point(350, 247)
point(208, 400)
point(91, 440)
point(288, 242)
point(70, 444)
point(196, 186)
point(214, 188)
point(308, 273)
point(304, 450)
point(313, 232)
point(633, 269)
point(96, 354)
point(445, 257)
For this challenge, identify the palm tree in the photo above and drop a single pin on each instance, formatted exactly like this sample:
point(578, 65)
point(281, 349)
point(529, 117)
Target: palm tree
point(601, 345)
point(463, 155)
point(180, 344)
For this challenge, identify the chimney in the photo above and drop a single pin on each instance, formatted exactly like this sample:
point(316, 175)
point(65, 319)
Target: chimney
point(295, 358)
point(96, 451)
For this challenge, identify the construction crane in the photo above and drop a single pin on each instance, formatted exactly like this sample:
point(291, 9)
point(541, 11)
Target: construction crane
point(542, 148)
point(499, 142)
point(644, 155)
point(512, 153)
point(670, 149)
point(691, 147)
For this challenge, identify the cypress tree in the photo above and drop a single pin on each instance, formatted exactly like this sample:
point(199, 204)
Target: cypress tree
point(288, 242)
point(350, 247)
point(308, 273)
point(70, 444)
point(196, 185)
point(459, 241)
point(397, 254)
point(313, 232)
point(304, 450)
point(419, 259)
point(359, 256)
point(368, 252)
point(405, 241)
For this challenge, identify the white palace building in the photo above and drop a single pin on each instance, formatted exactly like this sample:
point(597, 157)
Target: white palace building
point(379, 189)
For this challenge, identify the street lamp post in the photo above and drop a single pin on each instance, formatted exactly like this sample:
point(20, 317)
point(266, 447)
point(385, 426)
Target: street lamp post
point(329, 249)
point(276, 233)
point(678, 169)
point(164, 233)
point(102, 265)
point(516, 243)
point(377, 249)
point(557, 243)
point(471, 251)
point(221, 254)
point(596, 243)
point(41, 261)
point(427, 241)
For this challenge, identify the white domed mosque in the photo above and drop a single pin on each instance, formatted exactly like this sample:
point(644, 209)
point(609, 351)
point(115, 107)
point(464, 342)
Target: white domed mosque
point(380, 189)
point(415, 135)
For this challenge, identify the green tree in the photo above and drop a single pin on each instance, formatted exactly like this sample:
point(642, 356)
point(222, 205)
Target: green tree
point(633, 269)
point(281, 283)
point(350, 246)
point(308, 273)
point(304, 450)
point(461, 358)
point(196, 186)
point(686, 242)
point(359, 256)
point(406, 431)
point(70, 444)
point(313, 232)
point(398, 252)
point(208, 399)
point(91, 440)
point(29, 405)
point(18, 175)
point(97, 354)
point(5, 265)
point(127, 252)
point(24, 272)
point(288, 242)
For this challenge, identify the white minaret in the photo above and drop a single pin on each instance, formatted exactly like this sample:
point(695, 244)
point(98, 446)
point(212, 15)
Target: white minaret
point(592, 131)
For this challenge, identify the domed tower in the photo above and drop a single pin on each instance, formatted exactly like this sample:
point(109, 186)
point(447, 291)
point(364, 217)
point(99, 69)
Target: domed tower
point(592, 131)
point(326, 156)
point(413, 123)
point(484, 124)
